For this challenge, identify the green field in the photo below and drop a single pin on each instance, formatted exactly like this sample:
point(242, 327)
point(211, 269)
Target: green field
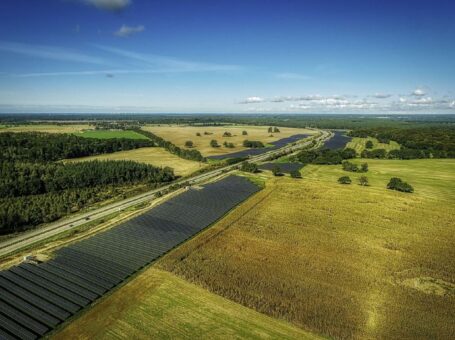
point(108, 134)
point(344, 261)
point(358, 144)
point(159, 305)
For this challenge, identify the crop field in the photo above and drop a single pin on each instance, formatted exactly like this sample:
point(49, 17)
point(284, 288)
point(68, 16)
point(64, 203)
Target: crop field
point(344, 261)
point(79, 273)
point(180, 134)
point(159, 305)
point(49, 128)
point(358, 144)
point(108, 134)
point(150, 155)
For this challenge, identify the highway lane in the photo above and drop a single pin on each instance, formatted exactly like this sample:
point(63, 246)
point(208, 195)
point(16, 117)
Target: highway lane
point(29, 238)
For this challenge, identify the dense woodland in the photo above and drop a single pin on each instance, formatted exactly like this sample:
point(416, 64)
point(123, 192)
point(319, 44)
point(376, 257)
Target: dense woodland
point(44, 147)
point(425, 142)
point(192, 154)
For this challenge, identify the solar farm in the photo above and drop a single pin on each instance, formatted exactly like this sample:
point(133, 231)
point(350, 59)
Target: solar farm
point(35, 298)
point(258, 151)
point(339, 140)
point(284, 167)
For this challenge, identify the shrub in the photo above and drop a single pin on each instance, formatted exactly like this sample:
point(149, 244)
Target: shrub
point(214, 143)
point(249, 167)
point(396, 183)
point(227, 134)
point(276, 170)
point(252, 144)
point(228, 145)
point(244, 133)
point(270, 130)
point(344, 180)
point(376, 153)
point(364, 167)
point(207, 133)
point(198, 134)
point(295, 174)
point(363, 180)
point(276, 130)
point(348, 166)
point(189, 144)
point(369, 144)
point(348, 153)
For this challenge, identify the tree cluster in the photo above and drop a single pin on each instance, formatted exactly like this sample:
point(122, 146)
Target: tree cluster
point(193, 154)
point(323, 156)
point(249, 167)
point(43, 147)
point(252, 144)
point(398, 184)
point(348, 166)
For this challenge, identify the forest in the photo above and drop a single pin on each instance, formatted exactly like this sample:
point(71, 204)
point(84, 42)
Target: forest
point(44, 147)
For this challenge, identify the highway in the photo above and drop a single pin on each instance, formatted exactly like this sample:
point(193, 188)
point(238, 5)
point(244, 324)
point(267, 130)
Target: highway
point(29, 238)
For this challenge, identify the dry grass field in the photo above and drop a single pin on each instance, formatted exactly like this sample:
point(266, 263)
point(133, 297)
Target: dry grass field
point(358, 144)
point(154, 156)
point(50, 128)
point(344, 261)
point(159, 305)
point(179, 134)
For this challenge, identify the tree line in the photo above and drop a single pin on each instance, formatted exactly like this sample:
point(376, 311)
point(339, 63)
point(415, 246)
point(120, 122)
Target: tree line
point(323, 156)
point(424, 142)
point(193, 155)
point(44, 147)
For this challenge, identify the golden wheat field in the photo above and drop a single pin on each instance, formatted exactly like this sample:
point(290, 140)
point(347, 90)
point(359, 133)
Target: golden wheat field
point(179, 134)
point(343, 261)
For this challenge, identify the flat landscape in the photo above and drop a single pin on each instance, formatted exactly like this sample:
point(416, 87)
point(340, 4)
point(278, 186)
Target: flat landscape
point(176, 309)
point(49, 128)
point(150, 155)
point(179, 134)
point(344, 261)
point(108, 134)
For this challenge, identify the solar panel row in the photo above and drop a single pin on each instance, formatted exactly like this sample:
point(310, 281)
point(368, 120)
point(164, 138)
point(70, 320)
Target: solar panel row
point(34, 298)
point(254, 152)
point(284, 167)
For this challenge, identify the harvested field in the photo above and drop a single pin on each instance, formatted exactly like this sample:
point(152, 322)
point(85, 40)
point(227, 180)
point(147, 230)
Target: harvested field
point(81, 272)
point(179, 134)
point(49, 128)
point(159, 305)
point(344, 261)
point(150, 155)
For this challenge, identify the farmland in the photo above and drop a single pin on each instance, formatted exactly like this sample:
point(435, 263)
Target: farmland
point(150, 155)
point(49, 128)
point(345, 261)
point(176, 309)
point(358, 144)
point(108, 134)
point(178, 135)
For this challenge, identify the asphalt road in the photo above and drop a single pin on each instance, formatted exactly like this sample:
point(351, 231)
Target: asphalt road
point(29, 238)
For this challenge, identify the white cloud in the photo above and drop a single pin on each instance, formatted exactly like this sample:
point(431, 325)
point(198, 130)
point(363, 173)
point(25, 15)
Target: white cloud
point(49, 52)
point(125, 31)
point(109, 5)
point(418, 92)
point(252, 100)
point(381, 95)
point(452, 104)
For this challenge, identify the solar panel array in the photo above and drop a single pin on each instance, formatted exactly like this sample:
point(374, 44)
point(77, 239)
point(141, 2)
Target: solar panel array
point(258, 151)
point(34, 298)
point(284, 167)
point(338, 141)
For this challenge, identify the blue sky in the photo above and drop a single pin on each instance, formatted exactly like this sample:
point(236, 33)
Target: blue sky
point(227, 56)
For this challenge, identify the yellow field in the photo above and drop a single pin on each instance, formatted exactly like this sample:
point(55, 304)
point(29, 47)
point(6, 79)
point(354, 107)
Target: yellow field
point(344, 261)
point(50, 128)
point(154, 156)
point(358, 144)
point(180, 134)
point(159, 305)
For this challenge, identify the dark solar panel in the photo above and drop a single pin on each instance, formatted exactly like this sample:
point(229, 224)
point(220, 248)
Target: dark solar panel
point(284, 167)
point(43, 295)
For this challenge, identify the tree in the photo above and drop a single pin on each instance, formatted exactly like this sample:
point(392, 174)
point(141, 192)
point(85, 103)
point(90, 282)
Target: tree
point(198, 134)
point(275, 129)
point(348, 153)
point(363, 180)
point(249, 167)
point(244, 133)
point(398, 184)
point(344, 180)
point(214, 143)
point(276, 170)
point(295, 174)
point(364, 167)
point(252, 144)
point(270, 130)
point(348, 166)
point(228, 145)
point(369, 144)
point(227, 134)
point(189, 144)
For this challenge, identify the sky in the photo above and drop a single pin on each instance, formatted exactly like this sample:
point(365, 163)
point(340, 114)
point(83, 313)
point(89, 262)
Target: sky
point(217, 56)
